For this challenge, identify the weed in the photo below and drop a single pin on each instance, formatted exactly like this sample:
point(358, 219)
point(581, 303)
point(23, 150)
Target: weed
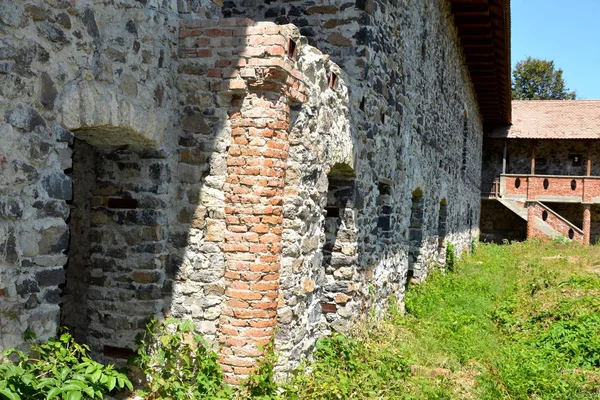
point(178, 364)
point(59, 368)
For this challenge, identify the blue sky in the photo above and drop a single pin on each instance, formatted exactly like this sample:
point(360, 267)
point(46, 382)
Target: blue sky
point(567, 32)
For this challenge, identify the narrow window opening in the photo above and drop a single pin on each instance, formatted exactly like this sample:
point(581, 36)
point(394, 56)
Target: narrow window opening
point(122, 353)
point(442, 222)
point(415, 233)
point(573, 184)
point(339, 239)
point(571, 233)
point(332, 212)
point(576, 160)
point(544, 215)
point(517, 183)
point(292, 49)
point(130, 204)
point(332, 80)
point(384, 219)
point(546, 184)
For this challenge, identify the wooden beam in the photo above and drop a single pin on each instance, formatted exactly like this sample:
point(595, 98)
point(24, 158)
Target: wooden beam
point(533, 157)
point(589, 159)
point(504, 157)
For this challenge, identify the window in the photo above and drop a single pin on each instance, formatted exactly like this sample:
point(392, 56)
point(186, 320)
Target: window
point(576, 160)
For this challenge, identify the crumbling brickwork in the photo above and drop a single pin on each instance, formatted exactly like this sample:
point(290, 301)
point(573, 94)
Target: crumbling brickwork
point(249, 166)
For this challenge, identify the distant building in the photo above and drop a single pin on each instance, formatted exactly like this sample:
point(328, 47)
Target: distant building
point(541, 175)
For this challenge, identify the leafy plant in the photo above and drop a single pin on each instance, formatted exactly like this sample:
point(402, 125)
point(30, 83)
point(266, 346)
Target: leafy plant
point(57, 369)
point(261, 383)
point(178, 364)
point(450, 257)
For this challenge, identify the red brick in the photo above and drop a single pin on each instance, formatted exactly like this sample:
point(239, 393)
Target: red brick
point(270, 238)
point(243, 294)
point(235, 247)
point(204, 53)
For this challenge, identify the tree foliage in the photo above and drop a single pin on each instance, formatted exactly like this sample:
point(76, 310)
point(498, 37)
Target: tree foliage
point(535, 79)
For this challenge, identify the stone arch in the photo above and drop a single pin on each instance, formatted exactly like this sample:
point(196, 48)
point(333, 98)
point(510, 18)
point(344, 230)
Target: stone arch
point(115, 273)
point(102, 117)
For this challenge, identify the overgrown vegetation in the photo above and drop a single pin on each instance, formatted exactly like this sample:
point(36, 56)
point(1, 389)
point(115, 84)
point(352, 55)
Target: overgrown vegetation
point(177, 364)
point(519, 321)
point(57, 369)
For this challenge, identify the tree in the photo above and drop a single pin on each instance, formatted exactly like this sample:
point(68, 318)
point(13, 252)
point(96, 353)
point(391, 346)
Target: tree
point(535, 79)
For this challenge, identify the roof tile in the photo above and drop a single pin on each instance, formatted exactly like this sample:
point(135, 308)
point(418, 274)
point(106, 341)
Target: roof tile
point(552, 119)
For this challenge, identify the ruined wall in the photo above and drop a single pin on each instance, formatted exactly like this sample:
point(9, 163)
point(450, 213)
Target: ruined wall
point(412, 124)
point(218, 175)
point(101, 72)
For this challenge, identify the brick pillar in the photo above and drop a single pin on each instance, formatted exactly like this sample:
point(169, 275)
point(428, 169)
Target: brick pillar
point(530, 219)
point(587, 224)
point(256, 167)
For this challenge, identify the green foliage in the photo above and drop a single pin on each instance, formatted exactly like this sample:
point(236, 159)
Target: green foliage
point(178, 364)
point(535, 79)
point(57, 369)
point(520, 320)
point(347, 368)
point(261, 382)
point(450, 257)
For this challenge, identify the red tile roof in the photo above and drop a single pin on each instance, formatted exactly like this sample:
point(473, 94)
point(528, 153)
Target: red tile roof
point(552, 119)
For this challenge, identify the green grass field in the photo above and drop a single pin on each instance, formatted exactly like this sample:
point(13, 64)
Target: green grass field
point(518, 321)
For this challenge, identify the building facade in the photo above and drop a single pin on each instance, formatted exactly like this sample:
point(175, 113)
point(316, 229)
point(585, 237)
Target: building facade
point(266, 170)
point(540, 177)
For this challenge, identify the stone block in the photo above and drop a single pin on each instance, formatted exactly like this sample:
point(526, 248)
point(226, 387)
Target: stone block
point(9, 252)
point(58, 186)
point(11, 207)
point(27, 286)
point(50, 277)
point(25, 118)
point(54, 239)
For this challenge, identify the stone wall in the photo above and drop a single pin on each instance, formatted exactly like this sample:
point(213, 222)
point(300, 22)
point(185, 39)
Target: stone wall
point(410, 121)
point(102, 73)
point(499, 223)
point(249, 175)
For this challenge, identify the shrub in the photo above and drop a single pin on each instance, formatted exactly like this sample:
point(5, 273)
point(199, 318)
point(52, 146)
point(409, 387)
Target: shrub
point(59, 368)
point(178, 364)
point(450, 257)
point(261, 383)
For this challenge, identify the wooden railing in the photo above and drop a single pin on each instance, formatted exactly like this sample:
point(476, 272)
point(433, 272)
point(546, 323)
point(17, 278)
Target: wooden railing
point(492, 191)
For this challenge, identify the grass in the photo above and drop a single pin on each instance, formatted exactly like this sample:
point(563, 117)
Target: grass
point(518, 321)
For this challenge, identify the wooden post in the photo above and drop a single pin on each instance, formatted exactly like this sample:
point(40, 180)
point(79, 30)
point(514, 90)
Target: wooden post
point(504, 157)
point(587, 224)
point(531, 230)
point(533, 157)
point(589, 159)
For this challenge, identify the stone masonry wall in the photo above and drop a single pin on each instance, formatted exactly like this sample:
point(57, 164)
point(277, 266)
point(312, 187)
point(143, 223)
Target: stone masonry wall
point(102, 73)
point(254, 176)
point(408, 116)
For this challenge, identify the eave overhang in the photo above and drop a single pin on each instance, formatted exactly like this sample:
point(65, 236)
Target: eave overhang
point(484, 32)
